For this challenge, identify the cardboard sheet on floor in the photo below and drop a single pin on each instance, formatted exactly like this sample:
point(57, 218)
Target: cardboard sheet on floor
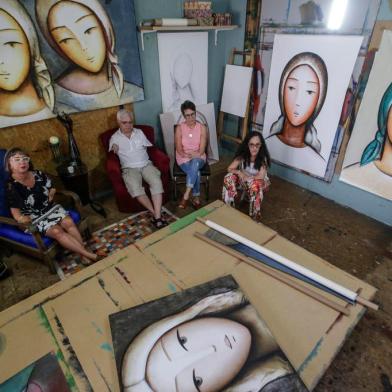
point(71, 317)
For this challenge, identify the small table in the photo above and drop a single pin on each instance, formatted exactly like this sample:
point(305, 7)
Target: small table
point(75, 178)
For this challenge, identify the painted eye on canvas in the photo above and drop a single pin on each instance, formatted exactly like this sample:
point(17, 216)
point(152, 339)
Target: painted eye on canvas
point(182, 340)
point(197, 381)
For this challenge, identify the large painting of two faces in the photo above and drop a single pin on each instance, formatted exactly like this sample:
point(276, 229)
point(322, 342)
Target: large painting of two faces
point(71, 56)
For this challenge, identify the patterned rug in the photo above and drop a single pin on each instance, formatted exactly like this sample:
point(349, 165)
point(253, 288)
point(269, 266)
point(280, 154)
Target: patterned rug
point(111, 238)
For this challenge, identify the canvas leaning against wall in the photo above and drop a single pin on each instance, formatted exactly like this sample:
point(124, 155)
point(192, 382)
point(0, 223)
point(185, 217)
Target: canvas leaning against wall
point(183, 68)
point(307, 86)
point(71, 56)
point(368, 160)
point(206, 338)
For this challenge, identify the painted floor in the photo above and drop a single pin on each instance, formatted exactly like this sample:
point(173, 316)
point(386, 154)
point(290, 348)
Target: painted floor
point(343, 237)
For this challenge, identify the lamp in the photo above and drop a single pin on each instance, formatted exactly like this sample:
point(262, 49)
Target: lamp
point(54, 143)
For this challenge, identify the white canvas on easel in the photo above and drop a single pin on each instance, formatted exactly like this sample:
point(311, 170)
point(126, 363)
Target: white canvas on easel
point(236, 87)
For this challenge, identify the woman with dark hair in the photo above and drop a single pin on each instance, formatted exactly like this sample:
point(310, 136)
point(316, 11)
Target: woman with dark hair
point(30, 198)
point(249, 172)
point(191, 143)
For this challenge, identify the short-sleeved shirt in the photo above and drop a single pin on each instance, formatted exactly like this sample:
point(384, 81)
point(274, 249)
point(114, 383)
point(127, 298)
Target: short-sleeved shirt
point(31, 201)
point(132, 151)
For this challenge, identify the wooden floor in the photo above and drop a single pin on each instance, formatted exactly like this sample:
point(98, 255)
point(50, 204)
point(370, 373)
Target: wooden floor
point(353, 242)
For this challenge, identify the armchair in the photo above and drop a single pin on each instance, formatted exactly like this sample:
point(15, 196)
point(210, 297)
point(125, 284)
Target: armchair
point(12, 234)
point(125, 202)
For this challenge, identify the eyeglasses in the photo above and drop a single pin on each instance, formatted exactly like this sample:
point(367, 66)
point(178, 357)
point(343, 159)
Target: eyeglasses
point(126, 122)
point(254, 145)
point(20, 159)
point(189, 115)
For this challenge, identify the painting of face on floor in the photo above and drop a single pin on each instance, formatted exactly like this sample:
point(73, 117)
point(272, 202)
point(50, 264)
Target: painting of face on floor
point(70, 57)
point(206, 338)
point(368, 160)
point(307, 86)
point(44, 375)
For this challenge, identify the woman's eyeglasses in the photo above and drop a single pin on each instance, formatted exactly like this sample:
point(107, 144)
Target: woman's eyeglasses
point(254, 145)
point(189, 115)
point(20, 159)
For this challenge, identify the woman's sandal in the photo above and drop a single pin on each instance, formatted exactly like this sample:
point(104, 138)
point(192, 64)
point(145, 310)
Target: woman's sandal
point(196, 204)
point(183, 203)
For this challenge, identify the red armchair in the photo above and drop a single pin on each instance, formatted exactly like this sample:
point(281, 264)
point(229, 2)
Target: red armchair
point(125, 202)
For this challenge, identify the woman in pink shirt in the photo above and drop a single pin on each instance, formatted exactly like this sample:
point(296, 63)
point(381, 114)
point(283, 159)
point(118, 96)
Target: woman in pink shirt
point(191, 142)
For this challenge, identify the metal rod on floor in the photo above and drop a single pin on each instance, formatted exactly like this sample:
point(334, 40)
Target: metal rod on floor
point(349, 295)
point(282, 277)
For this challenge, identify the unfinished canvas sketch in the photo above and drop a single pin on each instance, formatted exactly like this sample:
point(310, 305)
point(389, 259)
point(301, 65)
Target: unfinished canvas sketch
point(368, 160)
point(71, 58)
point(183, 67)
point(206, 338)
point(306, 92)
point(44, 375)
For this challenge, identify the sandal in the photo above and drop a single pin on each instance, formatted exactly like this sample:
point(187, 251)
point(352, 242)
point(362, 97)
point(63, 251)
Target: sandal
point(183, 203)
point(158, 223)
point(196, 203)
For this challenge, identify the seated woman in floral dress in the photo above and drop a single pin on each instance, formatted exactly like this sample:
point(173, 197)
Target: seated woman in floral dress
point(30, 198)
point(248, 171)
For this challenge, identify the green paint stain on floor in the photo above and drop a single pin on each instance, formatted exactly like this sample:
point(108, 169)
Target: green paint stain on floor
point(172, 288)
point(313, 354)
point(188, 220)
point(44, 322)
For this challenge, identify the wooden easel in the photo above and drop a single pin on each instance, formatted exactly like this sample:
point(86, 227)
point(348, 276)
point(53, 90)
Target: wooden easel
point(247, 61)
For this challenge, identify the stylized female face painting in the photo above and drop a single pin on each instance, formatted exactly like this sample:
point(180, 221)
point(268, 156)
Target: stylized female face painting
point(200, 355)
point(79, 35)
point(14, 53)
point(300, 94)
point(389, 125)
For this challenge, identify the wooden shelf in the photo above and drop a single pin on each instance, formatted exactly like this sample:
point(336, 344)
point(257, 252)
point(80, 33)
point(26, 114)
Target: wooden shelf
point(154, 29)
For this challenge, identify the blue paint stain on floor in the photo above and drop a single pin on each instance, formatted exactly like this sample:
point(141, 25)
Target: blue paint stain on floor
point(172, 288)
point(106, 347)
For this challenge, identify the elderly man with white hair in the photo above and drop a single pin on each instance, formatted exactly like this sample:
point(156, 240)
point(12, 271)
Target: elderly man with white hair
point(130, 144)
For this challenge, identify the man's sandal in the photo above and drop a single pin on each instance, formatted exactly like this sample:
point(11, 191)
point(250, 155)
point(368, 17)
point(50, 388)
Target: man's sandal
point(159, 223)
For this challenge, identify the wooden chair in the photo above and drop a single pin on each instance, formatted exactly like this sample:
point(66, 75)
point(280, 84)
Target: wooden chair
point(13, 235)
